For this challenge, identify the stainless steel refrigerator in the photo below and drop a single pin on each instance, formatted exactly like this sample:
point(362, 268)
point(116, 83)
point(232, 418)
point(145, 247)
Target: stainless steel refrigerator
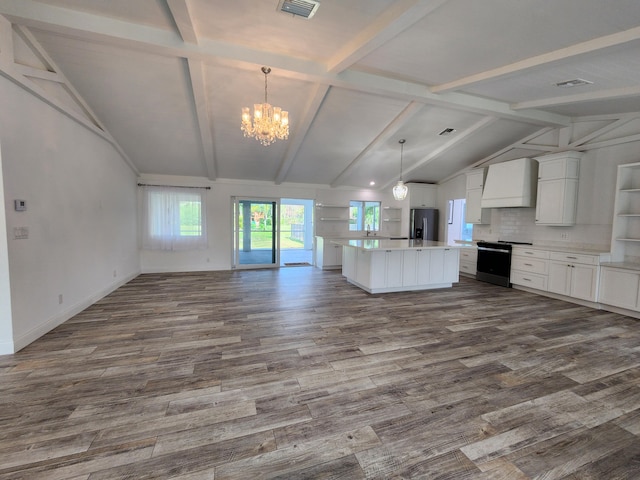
point(424, 223)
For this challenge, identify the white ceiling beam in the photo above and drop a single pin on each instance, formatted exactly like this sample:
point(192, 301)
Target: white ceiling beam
point(391, 129)
point(115, 32)
point(13, 74)
point(459, 138)
point(201, 107)
point(182, 17)
point(589, 46)
point(611, 94)
point(32, 72)
point(6, 40)
point(624, 119)
point(396, 19)
point(303, 125)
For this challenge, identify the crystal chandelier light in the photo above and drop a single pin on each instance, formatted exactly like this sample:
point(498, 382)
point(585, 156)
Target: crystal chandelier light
point(400, 189)
point(269, 123)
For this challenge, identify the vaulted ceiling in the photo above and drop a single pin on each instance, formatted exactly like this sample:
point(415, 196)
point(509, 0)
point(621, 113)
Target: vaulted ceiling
point(165, 80)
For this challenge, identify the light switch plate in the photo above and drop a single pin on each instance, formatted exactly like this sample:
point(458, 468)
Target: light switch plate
point(20, 205)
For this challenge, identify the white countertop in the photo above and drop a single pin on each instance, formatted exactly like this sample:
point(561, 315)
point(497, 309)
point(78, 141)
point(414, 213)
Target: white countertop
point(386, 244)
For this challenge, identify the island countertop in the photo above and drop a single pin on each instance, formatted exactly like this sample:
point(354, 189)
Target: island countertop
point(386, 244)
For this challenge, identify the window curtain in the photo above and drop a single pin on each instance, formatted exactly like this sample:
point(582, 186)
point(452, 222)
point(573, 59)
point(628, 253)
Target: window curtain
point(174, 218)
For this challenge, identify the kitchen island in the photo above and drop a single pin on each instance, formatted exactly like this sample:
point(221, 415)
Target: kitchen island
point(381, 266)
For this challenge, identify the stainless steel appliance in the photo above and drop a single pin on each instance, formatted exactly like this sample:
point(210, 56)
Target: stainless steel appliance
point(423, 223)
point(494, 262)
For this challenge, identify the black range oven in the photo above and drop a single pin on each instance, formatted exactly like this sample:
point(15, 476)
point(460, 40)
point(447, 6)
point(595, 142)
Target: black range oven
point(494, 262)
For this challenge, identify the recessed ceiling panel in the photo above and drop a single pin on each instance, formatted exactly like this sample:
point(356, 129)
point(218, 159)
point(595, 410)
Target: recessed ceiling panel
point(228, 91)
point(142, 99)
point(146, 12)
point(464, 37)
point(346, 124)
point(421, 133)
point(260, 25)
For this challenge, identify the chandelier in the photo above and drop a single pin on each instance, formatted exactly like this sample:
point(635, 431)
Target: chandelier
point(269, 123)
point(400, 189)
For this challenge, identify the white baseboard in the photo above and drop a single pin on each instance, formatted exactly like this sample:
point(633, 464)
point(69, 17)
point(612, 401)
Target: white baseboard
point(58, 319)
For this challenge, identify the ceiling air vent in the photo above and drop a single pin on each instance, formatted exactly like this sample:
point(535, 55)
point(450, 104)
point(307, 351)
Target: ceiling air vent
point(302, 8)
point(576, 82)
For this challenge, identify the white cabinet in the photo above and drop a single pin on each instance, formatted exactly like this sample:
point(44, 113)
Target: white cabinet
point(530, 267)
point(475, 183)
point(423, 195)
point(328, 255)
point(557, 197)
point(574, 275)
point(380, 271)
point(386, 269)
point(619, 287)
point(468, 260)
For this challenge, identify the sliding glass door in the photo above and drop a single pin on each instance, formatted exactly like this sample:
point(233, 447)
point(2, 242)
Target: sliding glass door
point(256, 243)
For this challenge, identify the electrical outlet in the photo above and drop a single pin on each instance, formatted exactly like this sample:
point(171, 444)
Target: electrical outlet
point(115, 273)
point(20, 233)
point(564, 236)
point(60, 299)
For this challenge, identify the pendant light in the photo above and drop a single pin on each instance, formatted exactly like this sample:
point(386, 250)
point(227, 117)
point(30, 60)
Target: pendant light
point(400, 189)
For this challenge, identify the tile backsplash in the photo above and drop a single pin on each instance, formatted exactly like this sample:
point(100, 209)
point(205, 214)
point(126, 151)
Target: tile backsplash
point(518, 224)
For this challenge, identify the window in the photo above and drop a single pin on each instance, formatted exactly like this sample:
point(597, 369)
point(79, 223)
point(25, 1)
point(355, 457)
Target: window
point(174, 218)
point(364, 216)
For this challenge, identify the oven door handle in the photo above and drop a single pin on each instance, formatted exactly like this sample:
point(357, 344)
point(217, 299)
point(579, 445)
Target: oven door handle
point(494, 250)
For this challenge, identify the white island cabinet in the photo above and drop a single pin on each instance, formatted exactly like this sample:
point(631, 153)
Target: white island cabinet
point(381, 266)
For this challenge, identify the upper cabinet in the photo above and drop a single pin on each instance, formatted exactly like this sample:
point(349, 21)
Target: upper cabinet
point(475, 183)
point(423, 195)
point(557, 197)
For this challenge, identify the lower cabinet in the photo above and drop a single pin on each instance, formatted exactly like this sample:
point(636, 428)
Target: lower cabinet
point(396, 270)
point(565, 273)
point(468, 260)
point(328, 254)
point(619, 287)
point(574, 275)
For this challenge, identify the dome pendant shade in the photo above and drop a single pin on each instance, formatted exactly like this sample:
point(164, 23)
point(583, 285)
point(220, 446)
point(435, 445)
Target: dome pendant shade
point(400, 189)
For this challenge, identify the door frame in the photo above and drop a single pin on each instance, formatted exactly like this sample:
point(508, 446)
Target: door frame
point(235, 232)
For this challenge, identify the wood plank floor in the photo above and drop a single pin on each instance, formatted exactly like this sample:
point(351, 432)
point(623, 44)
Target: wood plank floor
point(295, 374)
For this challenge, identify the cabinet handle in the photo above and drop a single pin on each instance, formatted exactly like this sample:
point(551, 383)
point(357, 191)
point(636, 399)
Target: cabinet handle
point(529, 264)
point(572, 258)
point(526, 279)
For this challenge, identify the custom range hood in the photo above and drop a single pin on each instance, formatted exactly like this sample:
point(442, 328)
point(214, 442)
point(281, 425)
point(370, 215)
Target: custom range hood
point(511, 184)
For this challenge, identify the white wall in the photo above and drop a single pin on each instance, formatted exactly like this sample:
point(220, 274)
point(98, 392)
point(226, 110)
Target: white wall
point(6, 324)
point(596, 195)
point(81, 214)
point(218, 255)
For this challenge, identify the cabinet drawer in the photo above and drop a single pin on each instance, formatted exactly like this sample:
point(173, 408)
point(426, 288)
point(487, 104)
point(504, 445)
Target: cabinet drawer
point(469, 255)
point(530, 252)
point(530, 265)
point(532, 280)
point(468, 267)
point(575, 258)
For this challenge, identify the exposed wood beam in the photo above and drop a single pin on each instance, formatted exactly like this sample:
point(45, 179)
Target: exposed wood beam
point(303, 126)
point(400, 16)
point(462, 136)
point(405, 115)
point(610, 94)
point(103, 30)
point(182, 18)
point(546, 58)
point(201, 107)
